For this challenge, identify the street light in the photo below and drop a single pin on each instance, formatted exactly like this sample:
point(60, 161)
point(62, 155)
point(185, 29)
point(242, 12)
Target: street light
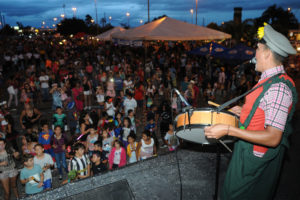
point(289, 9)
point(192, 13)
point(74, 12)
point(55, 19)
point(141, 21)
point(43, 22)
point(128, 15)
point(62, 15)
point(92, 21)
point(109, 19)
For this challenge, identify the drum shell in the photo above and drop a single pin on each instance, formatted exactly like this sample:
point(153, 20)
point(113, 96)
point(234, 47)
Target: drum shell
point(200, 118)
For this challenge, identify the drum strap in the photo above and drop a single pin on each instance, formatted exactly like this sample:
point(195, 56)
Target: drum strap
point(231, 101)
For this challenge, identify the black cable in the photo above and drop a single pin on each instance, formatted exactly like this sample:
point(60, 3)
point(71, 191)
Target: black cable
point(176, 150)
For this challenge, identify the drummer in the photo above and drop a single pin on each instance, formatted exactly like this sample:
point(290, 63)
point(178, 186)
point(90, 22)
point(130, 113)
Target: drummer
point(265, 124)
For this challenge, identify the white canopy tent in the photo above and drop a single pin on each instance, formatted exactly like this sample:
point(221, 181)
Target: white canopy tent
point(106, 36)
point(170, 29)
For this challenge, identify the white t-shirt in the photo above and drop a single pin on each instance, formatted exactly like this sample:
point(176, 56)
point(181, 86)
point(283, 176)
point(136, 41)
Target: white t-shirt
point(127, 84)
point(110, 109)
point(172, 139)
point(129, 104)
point(44, 84)
point(117, 157)
point(42, 163)
point(100, 98)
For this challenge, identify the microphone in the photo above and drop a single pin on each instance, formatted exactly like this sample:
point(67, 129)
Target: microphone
point(182, 98)
point(252, 61)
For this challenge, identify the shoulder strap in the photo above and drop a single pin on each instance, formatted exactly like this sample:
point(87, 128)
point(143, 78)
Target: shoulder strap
point(224, 105)
point(277, 79)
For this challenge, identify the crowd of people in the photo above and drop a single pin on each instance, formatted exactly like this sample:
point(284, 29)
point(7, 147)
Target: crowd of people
point(85, 107)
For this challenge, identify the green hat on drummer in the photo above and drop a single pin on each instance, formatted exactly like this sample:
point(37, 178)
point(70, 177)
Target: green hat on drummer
point(277, 42)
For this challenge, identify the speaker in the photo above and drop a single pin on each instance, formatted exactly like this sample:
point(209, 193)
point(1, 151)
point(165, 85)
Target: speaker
point(119, 190)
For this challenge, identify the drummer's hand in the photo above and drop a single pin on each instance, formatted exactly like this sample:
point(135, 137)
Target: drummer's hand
point(236, 110)
point(216, 131)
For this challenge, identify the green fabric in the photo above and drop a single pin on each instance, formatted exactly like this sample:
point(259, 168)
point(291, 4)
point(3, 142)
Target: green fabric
point(251, 177)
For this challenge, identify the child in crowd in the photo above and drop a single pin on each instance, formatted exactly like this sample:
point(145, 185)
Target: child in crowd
point(45, 161)
point(56, 99)
point(131, 148)
point(28, 143)
point(45, 138)
point(31, 175)
point(97, 164)
point(146, 148)
point(126, 130)
point(170, 138)
point(72, 117)
point(132, 120)
point(98, 147)
point(109, 106)
point(106, 142)
point(80, 163)
point(59, 147)
point(151, 127)
point(91, 139)
point(59, 119)
point(100, 97)
point(117, 157)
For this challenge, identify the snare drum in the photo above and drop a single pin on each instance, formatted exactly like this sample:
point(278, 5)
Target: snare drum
point(193, 131)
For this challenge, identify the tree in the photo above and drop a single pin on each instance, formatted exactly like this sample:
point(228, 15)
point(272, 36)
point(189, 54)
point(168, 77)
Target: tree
point(20, 25)
point(124, 25)
point(280, 19)
point(71, 26)
point(88, 20)
point(213, 25)
point(7, 30)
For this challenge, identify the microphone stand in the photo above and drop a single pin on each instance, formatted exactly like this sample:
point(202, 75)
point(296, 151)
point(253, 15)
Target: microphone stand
point(187, 109)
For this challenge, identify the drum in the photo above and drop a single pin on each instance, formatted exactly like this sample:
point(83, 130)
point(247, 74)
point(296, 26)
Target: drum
point(193, 131)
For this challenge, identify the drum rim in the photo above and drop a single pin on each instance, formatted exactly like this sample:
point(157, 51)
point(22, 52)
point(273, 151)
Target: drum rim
point(211, 141)
point(211, 109)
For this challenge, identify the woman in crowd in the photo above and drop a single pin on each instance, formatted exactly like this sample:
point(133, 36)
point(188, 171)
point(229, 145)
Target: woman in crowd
point(145, 148)
point(87, 92)
point(8, 172)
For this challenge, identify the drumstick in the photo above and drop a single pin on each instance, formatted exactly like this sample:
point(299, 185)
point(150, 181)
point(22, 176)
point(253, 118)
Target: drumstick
point(221, 141)
point(216, 105)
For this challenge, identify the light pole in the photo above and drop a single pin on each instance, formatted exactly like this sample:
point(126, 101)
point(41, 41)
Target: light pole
point(109, 19)
point(148, 11)
point(196, 12)
point(128, 15)
point(74, 12)
point(192, 13)
point(96, 11)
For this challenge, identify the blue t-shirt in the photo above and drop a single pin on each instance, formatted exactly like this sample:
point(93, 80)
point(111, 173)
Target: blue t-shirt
point(45, 138)
point(150, 127)
point(31, 187)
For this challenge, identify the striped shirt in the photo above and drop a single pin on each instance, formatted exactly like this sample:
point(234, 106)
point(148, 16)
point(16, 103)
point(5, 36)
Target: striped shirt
point(276, 100)
point(80, 164)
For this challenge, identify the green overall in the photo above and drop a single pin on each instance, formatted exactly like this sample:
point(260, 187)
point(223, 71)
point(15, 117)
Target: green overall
point(251, 177)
